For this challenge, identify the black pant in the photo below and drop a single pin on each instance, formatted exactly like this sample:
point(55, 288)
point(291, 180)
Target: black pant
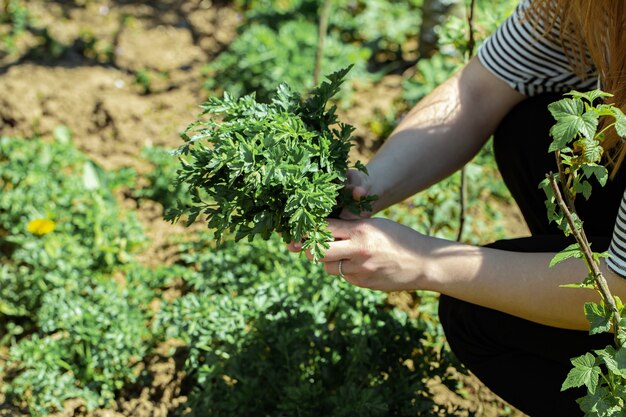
point(523, 362)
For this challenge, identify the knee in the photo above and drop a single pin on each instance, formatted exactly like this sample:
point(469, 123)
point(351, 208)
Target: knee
point(463, 326)
point(451, 317)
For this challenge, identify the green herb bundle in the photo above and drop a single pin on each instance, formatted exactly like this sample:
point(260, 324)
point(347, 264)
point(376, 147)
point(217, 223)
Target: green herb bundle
point(254, 168)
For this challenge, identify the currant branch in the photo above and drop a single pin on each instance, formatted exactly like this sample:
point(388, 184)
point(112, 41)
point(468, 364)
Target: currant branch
point(592, 264)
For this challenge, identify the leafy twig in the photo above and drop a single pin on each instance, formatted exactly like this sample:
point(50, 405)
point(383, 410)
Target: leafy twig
point(590, 260)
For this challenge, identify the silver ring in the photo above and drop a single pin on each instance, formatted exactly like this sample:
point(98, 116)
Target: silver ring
point(341, 268)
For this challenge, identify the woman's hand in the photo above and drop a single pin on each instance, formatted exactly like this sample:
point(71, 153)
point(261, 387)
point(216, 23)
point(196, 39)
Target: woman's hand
point(360, 186)
point(375, 253)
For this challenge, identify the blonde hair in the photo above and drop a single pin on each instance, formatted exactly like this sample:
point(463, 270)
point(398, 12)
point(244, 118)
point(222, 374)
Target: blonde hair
point(593, 33)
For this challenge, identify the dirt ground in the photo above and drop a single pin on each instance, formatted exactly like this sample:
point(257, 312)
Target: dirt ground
point(88, 82)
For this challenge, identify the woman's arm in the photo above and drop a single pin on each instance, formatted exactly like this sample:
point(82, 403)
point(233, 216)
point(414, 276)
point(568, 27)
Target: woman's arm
point(440, 134)
point(384, 255)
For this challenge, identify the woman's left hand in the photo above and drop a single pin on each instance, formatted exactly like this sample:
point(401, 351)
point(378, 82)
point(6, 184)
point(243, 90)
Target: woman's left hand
point(375, 253)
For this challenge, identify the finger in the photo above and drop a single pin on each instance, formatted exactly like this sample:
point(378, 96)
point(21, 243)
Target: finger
point(332, 268)
point(341, 229)
point(348, 215)
point(340, 249)
point(294, 246)
point(309, 255)
point(359, 192)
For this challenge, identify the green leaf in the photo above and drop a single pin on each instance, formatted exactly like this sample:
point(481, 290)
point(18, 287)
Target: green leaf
point(578, 285)
point(590, 96)
point(91, 180)
point(592, 151)
point(599, 255)
point(598, 403)
point(568, 115)
point(620, 391)
point(585, 372)
point(599, 318)
point(62, 134)
point(620, 122)
point(583, 188)
point(615, 360)
point(9, 309)
point(572, 251)
point(360, 166)
point(588, 124)
point(599, 171)
point(287, 99)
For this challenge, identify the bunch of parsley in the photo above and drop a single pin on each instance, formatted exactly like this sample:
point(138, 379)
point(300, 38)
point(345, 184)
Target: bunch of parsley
point(253, 168)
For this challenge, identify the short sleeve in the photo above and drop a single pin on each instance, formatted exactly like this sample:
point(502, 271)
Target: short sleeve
point(518, 54)
point(617, 249)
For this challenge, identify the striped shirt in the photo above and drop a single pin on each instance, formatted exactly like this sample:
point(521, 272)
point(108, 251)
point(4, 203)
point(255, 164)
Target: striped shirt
point(532, 64)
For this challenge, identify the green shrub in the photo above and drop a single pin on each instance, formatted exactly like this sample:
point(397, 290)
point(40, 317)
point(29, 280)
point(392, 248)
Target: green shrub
point(59, 220)
point(162, 186)
point(16, 15)
point(270, 334)
point(75, 331)
point(91, 336)
point(383, 27)
point(261, 58)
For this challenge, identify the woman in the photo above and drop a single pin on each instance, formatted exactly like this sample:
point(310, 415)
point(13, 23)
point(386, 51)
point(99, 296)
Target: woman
point(503, 311)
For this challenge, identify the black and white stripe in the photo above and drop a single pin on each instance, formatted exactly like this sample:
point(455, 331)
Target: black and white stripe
point(530, 63)
point(617, 250)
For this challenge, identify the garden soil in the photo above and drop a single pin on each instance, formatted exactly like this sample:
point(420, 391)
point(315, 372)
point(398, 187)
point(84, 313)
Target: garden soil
point(87, 80)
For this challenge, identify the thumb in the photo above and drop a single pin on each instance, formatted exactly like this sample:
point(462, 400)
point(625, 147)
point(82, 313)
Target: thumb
point(358, 183)
point(359, 192)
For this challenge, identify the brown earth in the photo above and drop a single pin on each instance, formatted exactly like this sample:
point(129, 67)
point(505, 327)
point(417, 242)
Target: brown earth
point(91, 88)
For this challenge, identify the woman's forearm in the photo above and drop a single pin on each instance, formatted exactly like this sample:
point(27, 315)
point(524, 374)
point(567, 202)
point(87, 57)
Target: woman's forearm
point(517, 283)
point(443, 132)
point(384, 255)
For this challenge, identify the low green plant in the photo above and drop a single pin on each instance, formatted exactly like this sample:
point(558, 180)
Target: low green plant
point(95, 48)
point(271, 167)
point(429, 73)
point(257, 319)
point(91, 335)
point(143, 78)
point(42, 378)
point(261, 58)
point(577, 142)
point(74, 330)
point(385, 28)
point(53, 228)
point(453, 47)
point(16, 15)
point(162, 185)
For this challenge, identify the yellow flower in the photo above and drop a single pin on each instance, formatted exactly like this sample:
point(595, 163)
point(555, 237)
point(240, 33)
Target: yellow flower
point(40, 227)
